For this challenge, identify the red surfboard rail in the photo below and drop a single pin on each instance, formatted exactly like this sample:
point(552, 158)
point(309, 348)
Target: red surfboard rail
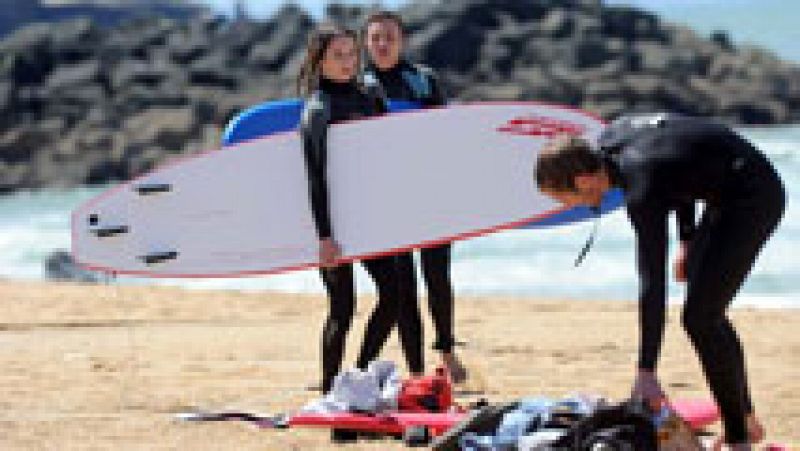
point(385, 423)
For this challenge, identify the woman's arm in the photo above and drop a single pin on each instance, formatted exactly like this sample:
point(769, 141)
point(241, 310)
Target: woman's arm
point(314, 133)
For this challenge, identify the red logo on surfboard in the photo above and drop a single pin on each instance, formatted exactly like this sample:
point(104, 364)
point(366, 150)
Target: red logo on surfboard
point(545, 127)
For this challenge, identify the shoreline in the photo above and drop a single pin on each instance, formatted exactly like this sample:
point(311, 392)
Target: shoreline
point(742, 302)
point(108, 367)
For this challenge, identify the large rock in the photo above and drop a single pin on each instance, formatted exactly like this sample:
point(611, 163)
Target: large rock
point(19, 145)
point(59, 266)
point(27, 55)
point(631, 24)
point(453, 48)
point(14, 176)
point(167, 128)
point(286, 38)
point(558, 24)
point(184, 48)
point(142, 73)
point(74, 75)
point(656, 57)
point(6, 96)
point(75, 41)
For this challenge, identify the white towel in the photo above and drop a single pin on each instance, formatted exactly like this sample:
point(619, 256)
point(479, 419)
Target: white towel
point(374, 390)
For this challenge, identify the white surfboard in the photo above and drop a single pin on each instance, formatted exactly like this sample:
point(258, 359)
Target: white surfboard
point(396, 182)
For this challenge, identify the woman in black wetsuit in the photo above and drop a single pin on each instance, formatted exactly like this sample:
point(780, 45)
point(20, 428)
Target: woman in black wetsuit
point(398, 79)
point(328, 82)
point(663, 163)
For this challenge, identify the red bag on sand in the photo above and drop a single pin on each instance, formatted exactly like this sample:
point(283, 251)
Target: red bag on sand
point(426, 393)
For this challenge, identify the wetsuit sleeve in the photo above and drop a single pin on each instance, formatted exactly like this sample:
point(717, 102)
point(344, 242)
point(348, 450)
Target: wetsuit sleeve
point(438, 94)
point(650, 224)
point(377, 97)
point(686, 221)
point(314, 133)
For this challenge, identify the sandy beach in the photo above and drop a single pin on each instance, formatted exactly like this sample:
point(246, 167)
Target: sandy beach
point(105, 367)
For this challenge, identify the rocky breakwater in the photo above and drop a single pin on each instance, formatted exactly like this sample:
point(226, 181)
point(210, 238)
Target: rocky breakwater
point(83, 104)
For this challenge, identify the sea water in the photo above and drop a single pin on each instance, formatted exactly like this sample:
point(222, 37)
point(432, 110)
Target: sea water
point(527, 263)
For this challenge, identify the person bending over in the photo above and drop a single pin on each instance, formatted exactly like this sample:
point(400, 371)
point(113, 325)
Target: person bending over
point(664, 163)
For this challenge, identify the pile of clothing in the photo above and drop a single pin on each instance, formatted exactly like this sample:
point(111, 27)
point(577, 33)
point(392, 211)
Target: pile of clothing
point(543, 424)
point(575, 423)
point(380, 388)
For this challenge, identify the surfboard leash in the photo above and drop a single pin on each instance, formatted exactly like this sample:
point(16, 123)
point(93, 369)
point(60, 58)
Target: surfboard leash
point(592, 236)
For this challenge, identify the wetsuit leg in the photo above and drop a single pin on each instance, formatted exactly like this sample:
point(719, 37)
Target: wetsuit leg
point(384, 273)
point(339, 284)
point(409, 321)
point(722, 254)
point(436, 270)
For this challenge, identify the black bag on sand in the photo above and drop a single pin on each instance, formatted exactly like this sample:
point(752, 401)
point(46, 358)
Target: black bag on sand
point(627, 426)
point(484, 420)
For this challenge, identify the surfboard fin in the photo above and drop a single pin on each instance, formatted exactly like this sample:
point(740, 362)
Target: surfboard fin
point(105, 232)
point(158, 257)
point(147, 189)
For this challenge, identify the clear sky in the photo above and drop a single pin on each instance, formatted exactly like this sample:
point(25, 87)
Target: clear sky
point(770, 23)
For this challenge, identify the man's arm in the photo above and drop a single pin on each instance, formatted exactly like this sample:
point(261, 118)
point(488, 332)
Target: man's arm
point(686, 216)
point(650, 224)
point(686, 227)
point(438, 95)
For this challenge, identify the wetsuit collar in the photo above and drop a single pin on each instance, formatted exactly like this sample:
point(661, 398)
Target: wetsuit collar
point(615, 176)
point(331, 86)
point(397, 68)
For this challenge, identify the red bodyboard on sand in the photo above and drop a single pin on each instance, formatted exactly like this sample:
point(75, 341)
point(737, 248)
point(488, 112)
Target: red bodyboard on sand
point(698, 413)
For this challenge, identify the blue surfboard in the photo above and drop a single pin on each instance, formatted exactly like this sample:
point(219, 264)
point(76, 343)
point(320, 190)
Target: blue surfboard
point(279, 116)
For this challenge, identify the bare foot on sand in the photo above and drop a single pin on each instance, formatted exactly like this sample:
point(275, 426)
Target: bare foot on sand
point(755, 430)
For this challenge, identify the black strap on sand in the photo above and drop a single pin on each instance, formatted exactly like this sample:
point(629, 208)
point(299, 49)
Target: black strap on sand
point(279, 421)
point(590, 241)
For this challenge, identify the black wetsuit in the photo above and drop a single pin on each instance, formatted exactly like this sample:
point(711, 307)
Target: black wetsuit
point(416, 83)
point(332, 103)
point(666, 163)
